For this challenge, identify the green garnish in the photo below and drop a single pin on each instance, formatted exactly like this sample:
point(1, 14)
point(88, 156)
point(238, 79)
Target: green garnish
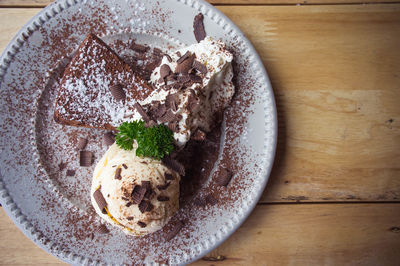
point(155, 142)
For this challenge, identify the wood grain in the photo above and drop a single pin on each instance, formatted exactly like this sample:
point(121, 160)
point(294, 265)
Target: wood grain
point(289, 234)
point(335, 73)
point(42, 3)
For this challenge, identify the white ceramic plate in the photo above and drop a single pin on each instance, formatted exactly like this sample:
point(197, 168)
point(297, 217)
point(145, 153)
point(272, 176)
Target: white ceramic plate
point(54, 210)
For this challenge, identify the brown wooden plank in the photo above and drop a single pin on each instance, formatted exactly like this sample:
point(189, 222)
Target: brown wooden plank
point(42, 3)
point(335, 73)
point(295, 234)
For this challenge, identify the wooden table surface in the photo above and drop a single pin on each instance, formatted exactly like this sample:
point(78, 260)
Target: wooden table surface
point(334, 193)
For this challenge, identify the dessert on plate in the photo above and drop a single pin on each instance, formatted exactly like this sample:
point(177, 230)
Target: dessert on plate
point(136, 183)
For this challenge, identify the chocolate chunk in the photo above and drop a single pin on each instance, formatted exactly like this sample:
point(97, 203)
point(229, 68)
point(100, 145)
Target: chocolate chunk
point(124, 166)
point(145, 206)
point(146, 185)
point(70, 172)
point(117, 92)
point(85, 158)
point(82, 143)
point(138, 194)
point(168, 176)
point(139, 48)
point(174, 230)
point(174, 165)
point(167, 117)
point(223, 177)
point(102, 229)
point(183, 78)
point(130, 218)
point(185, 65)
point(163, 187)
point(142, 224)
point(140, 110)
point(210, 199)
point(195, 78)
point(164, 71)
point(149, 194)
point(199, 67)
point(118, 174)
point(109, 138)
point(198, 28)
point(162, 198)
point(183, 58)
point(101, 202)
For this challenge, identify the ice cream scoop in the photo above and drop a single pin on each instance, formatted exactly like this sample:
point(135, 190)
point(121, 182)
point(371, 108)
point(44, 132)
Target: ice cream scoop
point(140, 194)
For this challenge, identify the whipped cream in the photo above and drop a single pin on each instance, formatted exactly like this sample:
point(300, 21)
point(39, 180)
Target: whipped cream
point(214, 92)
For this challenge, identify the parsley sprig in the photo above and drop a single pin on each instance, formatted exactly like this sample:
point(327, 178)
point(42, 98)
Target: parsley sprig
point(154, 142)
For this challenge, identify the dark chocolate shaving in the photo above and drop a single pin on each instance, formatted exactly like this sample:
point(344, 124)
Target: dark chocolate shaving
point(195, 78)
point(163, 187)
point(168, 176)
point(100, 200)
point(171, 77)
point(167, 117)
point(117, 92)
point(124, 166)
point(162, 198)
point(199, 67)
point(174, 230)
point(118, 174)
point(199, 135)
point(109, 138)
point(223, 177)
point(164, 71)
point(182, 58)
point(102, 229)
point(139, 48)
point(168, 57)
point(185, 65)
point(171, 101)
point(130, 218)
point(82, 143)
point(174, 165)
point(142, 224)
point(70, 172)
point(138, 194)
point(198, 28)
point(85, 158)
point(145, 206)
point(183, 78)
point(173, 126)
point(140, 110)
